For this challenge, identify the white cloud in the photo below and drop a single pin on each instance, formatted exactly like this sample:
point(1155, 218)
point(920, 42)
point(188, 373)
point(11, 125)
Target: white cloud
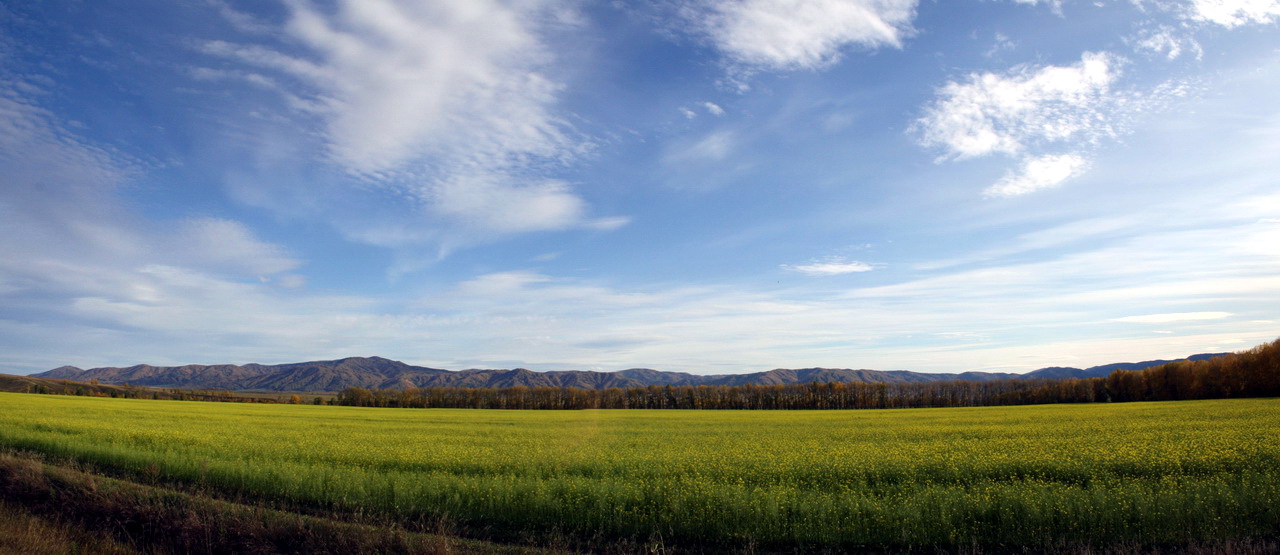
point(713, 108)
point(1234, 13)
point(1168, 42)
point(1174, 317)
point(1029, 110)
point(1039, 172)
point(801, 34)
point(994, 113)
point(830, 267)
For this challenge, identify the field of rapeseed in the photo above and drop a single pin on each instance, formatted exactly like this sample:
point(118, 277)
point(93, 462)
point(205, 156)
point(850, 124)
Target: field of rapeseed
point(1151, 473)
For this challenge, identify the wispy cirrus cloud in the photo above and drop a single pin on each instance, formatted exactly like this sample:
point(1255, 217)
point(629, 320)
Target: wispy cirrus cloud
point(60, 209)
point(397, 81)
point(81, 272)
point(225, 246)
point(713, 147)
point(1167, 41)
point(451, 104)
point(1174, 317)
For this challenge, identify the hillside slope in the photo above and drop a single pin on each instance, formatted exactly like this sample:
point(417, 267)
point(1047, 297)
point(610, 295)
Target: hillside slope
point(380, 373)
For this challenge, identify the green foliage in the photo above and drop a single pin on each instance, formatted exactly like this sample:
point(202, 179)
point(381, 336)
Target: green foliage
point(1154, 473)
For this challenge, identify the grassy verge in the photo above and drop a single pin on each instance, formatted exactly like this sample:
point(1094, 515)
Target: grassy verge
point(57, 509)
point(80, 512)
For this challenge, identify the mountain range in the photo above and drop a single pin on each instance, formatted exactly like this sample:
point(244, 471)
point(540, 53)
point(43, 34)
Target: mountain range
point(381, 373)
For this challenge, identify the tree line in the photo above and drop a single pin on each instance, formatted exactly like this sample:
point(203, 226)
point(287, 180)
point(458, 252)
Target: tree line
point(1251, 373)
point(126, 391)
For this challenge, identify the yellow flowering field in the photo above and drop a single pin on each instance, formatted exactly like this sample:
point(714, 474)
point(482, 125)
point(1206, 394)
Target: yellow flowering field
point(1154, 473)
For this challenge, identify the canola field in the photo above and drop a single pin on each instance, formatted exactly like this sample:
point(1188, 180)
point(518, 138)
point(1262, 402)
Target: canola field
point(1051, 475)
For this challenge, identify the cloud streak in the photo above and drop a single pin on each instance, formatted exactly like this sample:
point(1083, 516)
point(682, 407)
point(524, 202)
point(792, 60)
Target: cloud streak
point(830, 267)
point(1174, 317)
point(1036, 173)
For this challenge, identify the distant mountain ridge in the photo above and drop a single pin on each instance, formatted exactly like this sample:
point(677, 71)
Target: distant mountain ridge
point(380, 373)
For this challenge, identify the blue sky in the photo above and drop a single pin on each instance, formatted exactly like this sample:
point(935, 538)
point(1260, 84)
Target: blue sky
point(710, 186)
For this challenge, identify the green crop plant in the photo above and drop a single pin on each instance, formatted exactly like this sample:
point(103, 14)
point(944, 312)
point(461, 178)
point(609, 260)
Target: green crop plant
point(1153, 473)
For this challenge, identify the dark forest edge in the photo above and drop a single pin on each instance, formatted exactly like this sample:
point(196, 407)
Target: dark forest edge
point(29, 384)
point(1251, 373)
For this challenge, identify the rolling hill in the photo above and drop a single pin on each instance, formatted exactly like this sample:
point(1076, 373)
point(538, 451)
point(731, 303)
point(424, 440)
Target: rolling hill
point(380, 373)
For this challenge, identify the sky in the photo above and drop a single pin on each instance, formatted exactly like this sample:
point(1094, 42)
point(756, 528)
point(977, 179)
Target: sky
point(707, 186)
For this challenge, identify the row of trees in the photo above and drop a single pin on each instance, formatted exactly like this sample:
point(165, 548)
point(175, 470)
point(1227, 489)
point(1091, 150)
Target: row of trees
point(126, 391)
point(1252, 373)
point(796, 396)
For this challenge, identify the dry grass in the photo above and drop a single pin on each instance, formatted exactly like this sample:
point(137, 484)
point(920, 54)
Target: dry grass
point(93, 508)
point(23, 533)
